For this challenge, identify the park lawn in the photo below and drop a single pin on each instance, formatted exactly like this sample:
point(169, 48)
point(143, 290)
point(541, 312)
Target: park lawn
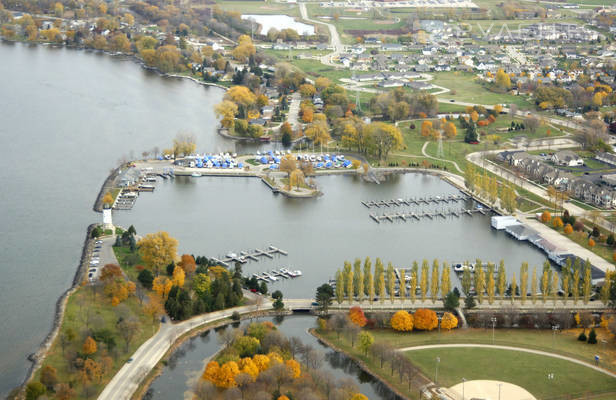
point(468, 89)
point(284, 54)
point(523, 369)
point(564, 343)
point(123, 254)
point(450, 108)
point(259, 7)
point(104, 312)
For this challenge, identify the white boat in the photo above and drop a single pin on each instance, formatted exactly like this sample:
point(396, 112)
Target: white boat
point(297, 272)
point(461, 267)
point(195, 174)
point(231, 255)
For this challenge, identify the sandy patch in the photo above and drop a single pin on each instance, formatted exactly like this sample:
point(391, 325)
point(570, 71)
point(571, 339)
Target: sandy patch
point(488, 390)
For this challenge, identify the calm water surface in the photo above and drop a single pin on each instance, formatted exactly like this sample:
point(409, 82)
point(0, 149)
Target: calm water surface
point(66, 118)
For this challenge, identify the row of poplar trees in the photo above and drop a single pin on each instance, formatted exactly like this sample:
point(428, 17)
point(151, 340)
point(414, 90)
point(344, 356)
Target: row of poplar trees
point(356, 283)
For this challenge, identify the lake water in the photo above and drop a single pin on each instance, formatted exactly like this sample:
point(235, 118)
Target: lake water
point(187, 364)
point(68, 116)
point(280, 22)
point(213, 216)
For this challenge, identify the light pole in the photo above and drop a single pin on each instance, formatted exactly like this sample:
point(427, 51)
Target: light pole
point(499, 389)
point(463, 381)
point(438, 360)
point(554, 329)
point(493, 319)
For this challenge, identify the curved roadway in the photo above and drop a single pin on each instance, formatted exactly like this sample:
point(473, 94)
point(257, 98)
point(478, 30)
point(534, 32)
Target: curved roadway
point(334, 37)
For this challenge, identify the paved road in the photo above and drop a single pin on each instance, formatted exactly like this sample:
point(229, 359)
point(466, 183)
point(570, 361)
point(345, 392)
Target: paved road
point(293, 115)
point(520, 349)
point(127, 380)
point(334, 38)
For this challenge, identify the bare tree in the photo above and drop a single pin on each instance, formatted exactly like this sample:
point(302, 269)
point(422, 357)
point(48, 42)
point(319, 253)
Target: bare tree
point(312, 358)
point(205, 390)
point(513, 110)
point(338, 322)
point(295, 346)
point(128, 328)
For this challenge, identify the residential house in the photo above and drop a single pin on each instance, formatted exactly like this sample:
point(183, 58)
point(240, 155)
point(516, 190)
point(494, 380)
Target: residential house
point(567, 158)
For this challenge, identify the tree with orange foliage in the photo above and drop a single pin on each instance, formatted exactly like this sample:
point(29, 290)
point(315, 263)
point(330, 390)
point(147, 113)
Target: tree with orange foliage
point(359, 396)
point(568, 229)
point(294, 367)
point(425, 319)
point(449, 321)
point(212, 370)
point(92, 370)
point(357, 316)
point(426, 128)
point(226, 375)
point(188, 264)
point(402, 321)
point(283, 397)
point(110, 272)
point(307, 115)
point(154, 308)
point(89, 346)
point(591, 242)
point(546, 217)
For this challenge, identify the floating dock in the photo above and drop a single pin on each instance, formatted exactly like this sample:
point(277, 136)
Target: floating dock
point(446, 199)
point(245, 256)
point(417, 216)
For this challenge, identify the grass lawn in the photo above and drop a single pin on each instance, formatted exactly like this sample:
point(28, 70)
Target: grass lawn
point(88, 304)
point(128, 261)
point(523, 369)
point(469, 89)
point(314, 68)
point(581, 238)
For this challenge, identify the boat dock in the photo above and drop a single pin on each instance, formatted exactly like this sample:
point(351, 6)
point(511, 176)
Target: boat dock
point(245, 256)
point(277, 274)
point(417, 216)
point(452, 198)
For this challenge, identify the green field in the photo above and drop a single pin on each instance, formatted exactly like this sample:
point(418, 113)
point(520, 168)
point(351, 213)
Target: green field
point(529, 371)
point(468, 89)
point(259, 7)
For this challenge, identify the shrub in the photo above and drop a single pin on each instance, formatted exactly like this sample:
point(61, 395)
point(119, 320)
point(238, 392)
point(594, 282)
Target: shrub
point(235, 316)
point(425, 319)
point(595, 231)
point(546, 217)
point(402, 321)
point(568, 229)
point(449, 321)
point(412, 126)
point(610, 239)
point(578, 226)
point(591, 242)
point(582, 337)
point(557, 223)
point(592, 337)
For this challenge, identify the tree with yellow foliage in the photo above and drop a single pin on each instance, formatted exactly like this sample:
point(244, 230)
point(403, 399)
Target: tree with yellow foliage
point(402, 321)
point(474, 116)
point(359, 396)
point(244, 49)
point(89, 346)
point(450, 130)
point(261, 361)
point(226, 375)
point(227, 110)
point(161, 286)
point(546, 217)
point(158, 250)
point(449, 321)
point(502, 80)
point(243, 97)
point(247, 366)
point(425, 319)
point(212, 369)
point(178, 276)
point(307, 90)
